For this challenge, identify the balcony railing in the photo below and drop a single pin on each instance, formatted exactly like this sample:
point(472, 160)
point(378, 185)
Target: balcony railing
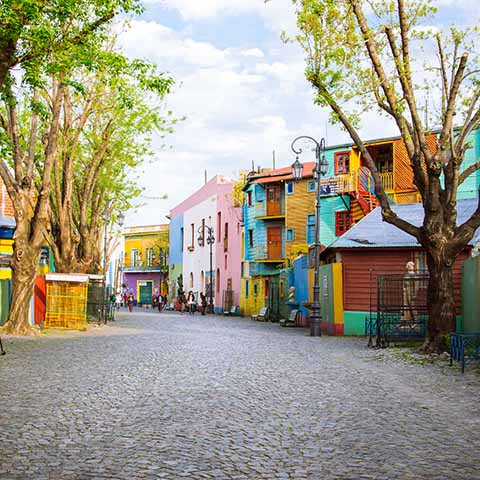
point(146, 268)
point(261, 210)
point(261, 253)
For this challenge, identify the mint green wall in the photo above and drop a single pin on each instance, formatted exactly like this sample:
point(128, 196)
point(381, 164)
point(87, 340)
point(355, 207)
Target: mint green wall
point(354, 322)
point(330, 205)
point(471, 295)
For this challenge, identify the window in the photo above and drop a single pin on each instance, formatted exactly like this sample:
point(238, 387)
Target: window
point(247, 284)
point(181, 239)
point(310, 228)
point(218, 280)
point(249, 199)
point(134, 258)
point(290, 234)
point(255, 289)
point(342, 222)
point(225, 238)
point(203, 232)
point(242, 269)
point(290, 188)
point(311, 186)
point(202, 280)
point(250, 238)
point(342, 162)
point(191, 280)
point(192, 244)
point(219, 226)
point(149, 257)
point(226, 261)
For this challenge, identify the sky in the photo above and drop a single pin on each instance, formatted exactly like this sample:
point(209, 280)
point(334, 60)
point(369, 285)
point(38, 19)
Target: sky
point(241, 90)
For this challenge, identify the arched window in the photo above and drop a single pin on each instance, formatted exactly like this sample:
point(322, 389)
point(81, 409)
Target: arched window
point(218, 280)
point(191, 279)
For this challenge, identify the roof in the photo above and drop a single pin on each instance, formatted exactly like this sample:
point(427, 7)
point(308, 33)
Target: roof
point(7, 222)
point(373, 232)
point(281, 174)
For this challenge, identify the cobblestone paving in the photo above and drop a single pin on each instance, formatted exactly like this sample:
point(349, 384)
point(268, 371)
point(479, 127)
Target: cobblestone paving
point(170, 397)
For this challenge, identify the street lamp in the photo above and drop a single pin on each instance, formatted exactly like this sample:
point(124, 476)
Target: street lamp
point(210, 241)
point(319, 171)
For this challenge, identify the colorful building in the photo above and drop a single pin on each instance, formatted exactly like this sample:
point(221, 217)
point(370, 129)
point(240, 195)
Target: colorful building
point(212, 206)
point(145, 268)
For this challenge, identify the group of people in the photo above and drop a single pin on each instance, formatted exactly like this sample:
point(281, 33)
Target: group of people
point(124, 300)
point(159, 301)
point(188, 303)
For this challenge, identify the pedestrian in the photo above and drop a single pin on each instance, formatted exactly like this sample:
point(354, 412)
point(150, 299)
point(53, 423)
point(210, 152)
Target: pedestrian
point(118, 300)
point(130, 302)
point(191, 303)
point(125, 298)
point(203, 301)
point(161, 302)
point(155, 297)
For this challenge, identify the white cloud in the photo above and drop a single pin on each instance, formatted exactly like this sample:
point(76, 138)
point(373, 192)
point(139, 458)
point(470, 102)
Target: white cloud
point(252, 52)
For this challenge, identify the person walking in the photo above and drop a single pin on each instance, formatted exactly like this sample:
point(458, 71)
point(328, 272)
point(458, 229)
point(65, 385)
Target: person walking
point(125, 299)
point(118, 301)
point(191, 303)
point(203, 302)
point(160, 302)
point(130, 302)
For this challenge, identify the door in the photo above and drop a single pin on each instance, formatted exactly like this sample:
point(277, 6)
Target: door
point(274, 243)
point(145, 292)
point(274, 200)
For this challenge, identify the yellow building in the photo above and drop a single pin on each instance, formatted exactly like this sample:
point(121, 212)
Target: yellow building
point(145, 268)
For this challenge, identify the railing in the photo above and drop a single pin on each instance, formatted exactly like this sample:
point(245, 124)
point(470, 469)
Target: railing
point(146, 268)
point(261, 253)
point(387, 181)
point(262, 211)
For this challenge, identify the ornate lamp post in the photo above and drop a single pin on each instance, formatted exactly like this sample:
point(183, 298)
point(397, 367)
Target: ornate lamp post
point(210, 241)
point(320, 170)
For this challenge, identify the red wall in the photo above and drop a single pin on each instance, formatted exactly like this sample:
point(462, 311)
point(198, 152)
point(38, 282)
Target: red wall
point(361, 266)
point(39, 300)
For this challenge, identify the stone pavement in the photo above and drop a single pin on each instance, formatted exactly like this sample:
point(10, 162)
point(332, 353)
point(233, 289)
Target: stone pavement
point(164, 396)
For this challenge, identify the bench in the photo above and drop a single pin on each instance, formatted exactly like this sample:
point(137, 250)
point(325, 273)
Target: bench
point(464, 348)
point(291, 321)
point(234, 311)
point(262, 315)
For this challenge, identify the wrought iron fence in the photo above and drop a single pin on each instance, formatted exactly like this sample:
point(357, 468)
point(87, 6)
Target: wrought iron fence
point(401, 312)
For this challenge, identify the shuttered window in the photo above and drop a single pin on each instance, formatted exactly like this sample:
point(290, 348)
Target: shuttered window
point(310, 229)
point(342, 222)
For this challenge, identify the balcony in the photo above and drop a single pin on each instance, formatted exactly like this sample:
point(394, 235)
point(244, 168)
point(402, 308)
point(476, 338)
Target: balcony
point(270, 212)
point(146, 268)
point(263, 254)
point(349, 182)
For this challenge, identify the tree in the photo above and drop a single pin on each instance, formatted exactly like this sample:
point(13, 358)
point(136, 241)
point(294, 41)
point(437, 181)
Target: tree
point(109, 116)
point(31, 30)
point(363, 55)
point(47, 39)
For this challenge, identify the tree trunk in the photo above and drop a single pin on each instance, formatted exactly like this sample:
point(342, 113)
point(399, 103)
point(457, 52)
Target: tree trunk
point(441, 303)
point(24, 267)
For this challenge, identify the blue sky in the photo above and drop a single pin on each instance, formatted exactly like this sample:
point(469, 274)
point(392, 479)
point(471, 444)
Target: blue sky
point(240, 88)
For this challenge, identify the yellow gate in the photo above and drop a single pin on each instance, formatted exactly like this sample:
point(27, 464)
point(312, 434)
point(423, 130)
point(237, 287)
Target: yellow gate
point(66, 301)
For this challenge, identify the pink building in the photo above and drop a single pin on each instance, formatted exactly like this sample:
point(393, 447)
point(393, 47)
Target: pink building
point(210, 206)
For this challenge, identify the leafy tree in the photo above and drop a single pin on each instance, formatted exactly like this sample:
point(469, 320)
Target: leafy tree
point(109, 116)
point(31, 30)
point(48, 40)
point(381, 55)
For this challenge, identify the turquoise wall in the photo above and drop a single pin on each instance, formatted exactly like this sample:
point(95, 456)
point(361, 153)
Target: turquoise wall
point(329, 205)
point(469, 188)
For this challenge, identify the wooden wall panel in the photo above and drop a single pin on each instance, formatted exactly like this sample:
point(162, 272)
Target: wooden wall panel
point(361, 267)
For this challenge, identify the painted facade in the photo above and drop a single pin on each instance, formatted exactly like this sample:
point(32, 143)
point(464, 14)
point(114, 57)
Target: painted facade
point(145, 268)
point(213, 206)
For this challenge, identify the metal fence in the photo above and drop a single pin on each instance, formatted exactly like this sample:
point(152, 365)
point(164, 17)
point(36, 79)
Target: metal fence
point(402, 312)
point(99, 306)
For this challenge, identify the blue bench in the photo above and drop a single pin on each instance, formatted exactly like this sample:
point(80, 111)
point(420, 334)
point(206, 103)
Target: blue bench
point(464, 348)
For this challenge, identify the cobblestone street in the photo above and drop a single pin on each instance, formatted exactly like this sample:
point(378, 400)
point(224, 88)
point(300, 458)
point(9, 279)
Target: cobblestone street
point(165, 396)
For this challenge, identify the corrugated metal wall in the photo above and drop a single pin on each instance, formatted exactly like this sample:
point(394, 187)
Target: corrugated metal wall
point(5, 296)
point(471, 295)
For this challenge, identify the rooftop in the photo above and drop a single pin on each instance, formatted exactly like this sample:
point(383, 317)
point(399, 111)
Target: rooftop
point(373, 232)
